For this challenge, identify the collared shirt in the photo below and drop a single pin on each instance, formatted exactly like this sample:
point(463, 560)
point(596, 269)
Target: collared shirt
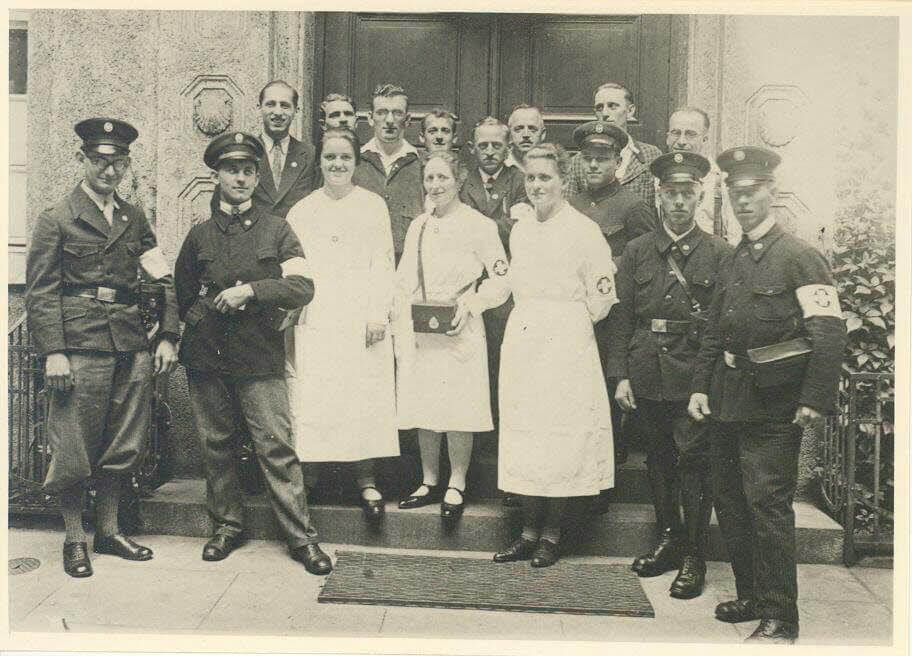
point(676, 237)
point(489, 178)
point(512, 161)
point(227, 208)
point(107, 204)
point(283, 144)
point(759, 231)
point(627, 154)
point(404, 149)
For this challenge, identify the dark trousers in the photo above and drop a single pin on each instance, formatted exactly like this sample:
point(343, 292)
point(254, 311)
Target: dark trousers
point(263, 403)
point(755, 473)
point(672, 440)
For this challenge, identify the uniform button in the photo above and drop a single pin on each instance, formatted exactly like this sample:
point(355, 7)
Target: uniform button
point(591, 204)
point(668, 297)
point(664, 349)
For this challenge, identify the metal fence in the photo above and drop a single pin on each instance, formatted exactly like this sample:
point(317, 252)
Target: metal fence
point(29, 451)
point(855, 463)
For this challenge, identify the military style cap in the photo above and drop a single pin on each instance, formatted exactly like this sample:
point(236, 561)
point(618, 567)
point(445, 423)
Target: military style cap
point(748, 165)
point(600, 133)
point(233, 145)
point(106, 136)
point(680, 166)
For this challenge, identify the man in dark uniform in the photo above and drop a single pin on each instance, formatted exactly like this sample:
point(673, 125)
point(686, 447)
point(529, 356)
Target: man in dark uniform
point(620, 213)
point(654, 336)
point(81, 298)
point(775, 288)
point(235, 273)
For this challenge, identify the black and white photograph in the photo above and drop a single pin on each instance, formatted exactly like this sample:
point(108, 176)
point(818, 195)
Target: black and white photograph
point(435, 329)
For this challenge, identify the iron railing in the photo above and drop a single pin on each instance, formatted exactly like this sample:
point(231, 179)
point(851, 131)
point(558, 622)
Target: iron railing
point(29, 452)
point(855, 463)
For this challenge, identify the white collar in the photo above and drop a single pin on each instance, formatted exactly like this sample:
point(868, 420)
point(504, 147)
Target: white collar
point(675, 237)
point(759, 231)
point(405, 148)
point(485, 176)
point(269, 143)
point(97, 198)
point(228, 207)
point(512, 161)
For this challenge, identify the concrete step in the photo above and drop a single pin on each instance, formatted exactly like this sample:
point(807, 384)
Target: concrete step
point(627, 529)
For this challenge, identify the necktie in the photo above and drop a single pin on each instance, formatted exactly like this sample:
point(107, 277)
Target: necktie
point(277, 163)
point(489, 185)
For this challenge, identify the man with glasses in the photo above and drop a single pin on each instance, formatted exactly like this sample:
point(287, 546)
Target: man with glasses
point(82, 301)
point(390, 165)
point(664, 283)
point(688, 132)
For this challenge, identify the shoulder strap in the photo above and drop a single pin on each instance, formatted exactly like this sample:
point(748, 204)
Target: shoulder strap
point(676, 270)
point(420, 260)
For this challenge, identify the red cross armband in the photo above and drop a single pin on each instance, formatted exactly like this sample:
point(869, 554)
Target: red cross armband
point(819, 301)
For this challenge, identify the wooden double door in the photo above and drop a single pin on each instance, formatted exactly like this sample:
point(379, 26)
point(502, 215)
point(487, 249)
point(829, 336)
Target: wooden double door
point(478, 65)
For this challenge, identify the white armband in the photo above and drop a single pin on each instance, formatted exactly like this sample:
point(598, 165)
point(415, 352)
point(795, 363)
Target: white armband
point(819, 301)
point(154, 263)
point(296, 266)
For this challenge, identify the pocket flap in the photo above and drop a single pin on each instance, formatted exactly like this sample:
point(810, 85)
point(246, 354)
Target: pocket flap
point(82, 250)
point(769, 290)
point(643, 276)
point(266, 253)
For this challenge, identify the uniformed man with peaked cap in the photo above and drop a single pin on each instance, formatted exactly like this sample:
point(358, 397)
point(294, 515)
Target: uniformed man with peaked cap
point(621, 214)
point(665, 282)
point(82, 294)
point(235, 273)
point(775, 288)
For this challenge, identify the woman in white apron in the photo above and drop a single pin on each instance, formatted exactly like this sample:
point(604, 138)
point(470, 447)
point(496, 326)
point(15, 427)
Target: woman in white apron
point(555, 418)
point(442, 377)
point(340, 373)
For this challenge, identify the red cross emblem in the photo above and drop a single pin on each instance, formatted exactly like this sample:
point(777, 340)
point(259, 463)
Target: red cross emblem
point(603, 285)
point(500, 268)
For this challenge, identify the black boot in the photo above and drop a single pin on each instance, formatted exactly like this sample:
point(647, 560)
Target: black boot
point(667, 554)
point(697, 503)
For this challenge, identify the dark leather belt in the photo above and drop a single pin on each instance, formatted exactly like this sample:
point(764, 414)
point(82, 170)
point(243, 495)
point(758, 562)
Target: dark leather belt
point(665, 326)
point(105, 294)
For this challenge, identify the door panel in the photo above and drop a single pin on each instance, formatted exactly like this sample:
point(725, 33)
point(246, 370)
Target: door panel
point(485, 64)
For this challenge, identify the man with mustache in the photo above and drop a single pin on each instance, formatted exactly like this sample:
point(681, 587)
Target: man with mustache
point(234, 275)
point(289, 168)
point(527, 129)
point(774, 288)
point(653, 339)
point(83, 316)
point(390, 165)
point(613, 103)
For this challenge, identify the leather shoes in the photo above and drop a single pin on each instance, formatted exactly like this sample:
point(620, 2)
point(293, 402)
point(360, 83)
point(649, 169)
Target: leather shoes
point(76, 561)
point(737, 610)
point(220, 546)
point(315, 559)
point(690, 579)
point(546, 554)
point(120, 545)
point(666, 557)
point(521, 549)
point(373, 509)
point(433, 496)
point(453, 511)
point(774, 631)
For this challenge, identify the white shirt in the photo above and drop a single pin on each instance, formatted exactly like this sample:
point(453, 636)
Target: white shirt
point(228, 207)
point(388, 160)
point(270, 144)
point(758, 232)
point(676, 237)
point(628, 152)
point(512, 161)
point(106, 204)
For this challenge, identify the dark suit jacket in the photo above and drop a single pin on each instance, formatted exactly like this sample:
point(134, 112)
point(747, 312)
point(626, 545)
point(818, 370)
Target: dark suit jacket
point(508, 190)
point(298, 179)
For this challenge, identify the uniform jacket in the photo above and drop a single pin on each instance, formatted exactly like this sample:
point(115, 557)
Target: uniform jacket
point(403, 190)
point(73, 246)
point(638, 178)
point(756, 306)
point(660, 365)
point(299, 178)
point(620, 213)
point(218, 254)
point(509, 189)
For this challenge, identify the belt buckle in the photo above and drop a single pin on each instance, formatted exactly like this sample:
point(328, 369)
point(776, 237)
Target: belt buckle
point(730, 360)
point(659, 326)
point(106, 294)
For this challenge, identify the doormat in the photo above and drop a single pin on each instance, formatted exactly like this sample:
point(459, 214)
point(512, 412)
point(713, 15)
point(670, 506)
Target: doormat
point(439, 582)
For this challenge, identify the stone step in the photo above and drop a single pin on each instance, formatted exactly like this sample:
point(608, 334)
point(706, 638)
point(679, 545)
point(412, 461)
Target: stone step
point(627, 529)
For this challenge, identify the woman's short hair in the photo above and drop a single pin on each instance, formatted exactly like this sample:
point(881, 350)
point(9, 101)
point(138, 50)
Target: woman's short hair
point(340, 133)
point(458, 168)
point(555, 153)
